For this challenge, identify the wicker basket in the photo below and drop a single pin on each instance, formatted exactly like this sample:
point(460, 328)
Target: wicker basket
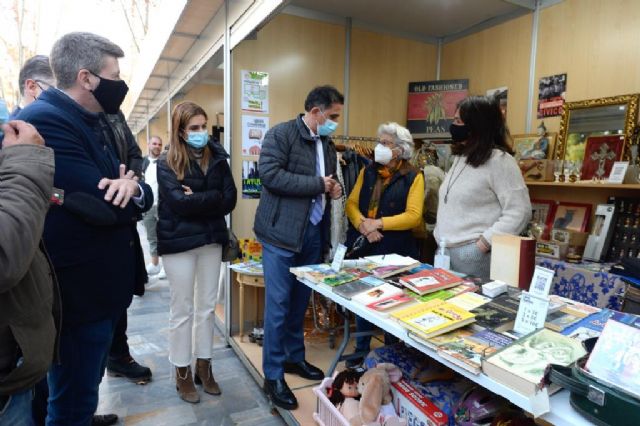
point(326, 414)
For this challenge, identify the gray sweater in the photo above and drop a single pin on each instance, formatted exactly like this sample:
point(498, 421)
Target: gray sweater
point(483, 201)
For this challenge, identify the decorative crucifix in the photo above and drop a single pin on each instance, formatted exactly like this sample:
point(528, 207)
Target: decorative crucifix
point(601, 157)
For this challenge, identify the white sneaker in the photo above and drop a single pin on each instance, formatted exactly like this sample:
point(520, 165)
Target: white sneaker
point(162, 274)
point(153, 269)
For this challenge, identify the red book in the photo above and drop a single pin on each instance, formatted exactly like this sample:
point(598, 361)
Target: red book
point(430, 280)
point(513, 260)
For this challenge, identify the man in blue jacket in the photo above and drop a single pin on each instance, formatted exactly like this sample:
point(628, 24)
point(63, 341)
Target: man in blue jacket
point(90, 238)
point(297, 165)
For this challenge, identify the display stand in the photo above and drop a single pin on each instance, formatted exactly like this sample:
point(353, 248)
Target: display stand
point(554, 409)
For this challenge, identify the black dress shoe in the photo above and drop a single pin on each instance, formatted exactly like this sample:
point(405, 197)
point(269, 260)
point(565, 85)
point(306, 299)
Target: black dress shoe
point(104, 420)
point(304, 369)
point(280, 394)
point(129, 368)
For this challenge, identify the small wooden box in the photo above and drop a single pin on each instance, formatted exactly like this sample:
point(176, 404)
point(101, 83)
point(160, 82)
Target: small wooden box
point(537, 170)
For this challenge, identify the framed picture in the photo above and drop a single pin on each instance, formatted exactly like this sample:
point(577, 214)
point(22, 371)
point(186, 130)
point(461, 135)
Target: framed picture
point(542, 211)
point(534, 147)
point(599, 155)
point(571, 216)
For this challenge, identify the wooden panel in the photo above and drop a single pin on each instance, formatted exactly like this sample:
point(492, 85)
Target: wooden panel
point(298, 54)
point(381, 68)
point(593, 41)
point(210, 97)
point(495, 57)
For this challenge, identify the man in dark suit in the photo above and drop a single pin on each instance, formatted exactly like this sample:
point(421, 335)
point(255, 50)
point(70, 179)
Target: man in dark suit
point(90, 237)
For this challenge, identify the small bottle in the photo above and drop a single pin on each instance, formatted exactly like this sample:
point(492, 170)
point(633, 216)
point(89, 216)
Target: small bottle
point(441, 259)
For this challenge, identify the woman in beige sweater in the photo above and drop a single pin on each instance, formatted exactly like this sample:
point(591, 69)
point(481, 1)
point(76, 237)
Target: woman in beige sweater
point(483, 193)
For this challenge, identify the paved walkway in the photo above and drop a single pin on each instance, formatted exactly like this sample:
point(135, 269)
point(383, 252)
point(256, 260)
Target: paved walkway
point(157, 404)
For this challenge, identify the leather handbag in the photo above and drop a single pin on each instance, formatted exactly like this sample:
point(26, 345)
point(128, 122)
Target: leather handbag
point(599, 403)
point(231, 250)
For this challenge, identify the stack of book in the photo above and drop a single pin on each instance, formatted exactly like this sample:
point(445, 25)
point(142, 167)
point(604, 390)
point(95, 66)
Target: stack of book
point(499, 314)
point(432, 318)
point(429, 281)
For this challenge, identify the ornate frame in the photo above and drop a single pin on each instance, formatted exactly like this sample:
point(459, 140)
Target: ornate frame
point(631, 120)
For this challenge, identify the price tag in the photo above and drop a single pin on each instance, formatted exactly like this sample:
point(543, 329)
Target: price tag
point(541, 282)
point(338, 258)
point(532, 313)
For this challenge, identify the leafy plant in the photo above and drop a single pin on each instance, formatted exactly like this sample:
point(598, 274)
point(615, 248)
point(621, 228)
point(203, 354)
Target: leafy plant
point(434, 108)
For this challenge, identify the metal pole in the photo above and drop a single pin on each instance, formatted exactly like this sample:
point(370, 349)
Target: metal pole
point(532, 65)
point(148, 136)
point(347, 73)
point(227, 92)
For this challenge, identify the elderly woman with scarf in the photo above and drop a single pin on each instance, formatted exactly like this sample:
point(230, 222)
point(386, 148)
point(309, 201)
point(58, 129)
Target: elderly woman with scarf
point(386, 205)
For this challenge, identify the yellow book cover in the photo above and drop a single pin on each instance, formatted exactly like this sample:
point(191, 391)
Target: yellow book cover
point(433, 318)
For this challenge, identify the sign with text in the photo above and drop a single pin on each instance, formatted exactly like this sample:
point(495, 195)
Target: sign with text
point(432, 105)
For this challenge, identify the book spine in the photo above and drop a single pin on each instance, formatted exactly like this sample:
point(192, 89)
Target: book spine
point(527, 263)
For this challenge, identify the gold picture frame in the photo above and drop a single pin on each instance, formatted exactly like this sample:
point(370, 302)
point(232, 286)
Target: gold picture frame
point(596, 117)
point(524, 146)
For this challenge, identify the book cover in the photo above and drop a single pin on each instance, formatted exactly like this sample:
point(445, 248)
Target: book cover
point(376, 294)
point(574, 307)
point(499, 314)
point(468, 351)
point(391, 264)
point(521, 365)
point(312, 272)
point(560, 320)
point(436, 341)
point(433, 318)
point(428, 281)
point(339, 279)
point(391, 302)
point(513, 260)
point(469, 301)
point(615, 359)
point(349, 290)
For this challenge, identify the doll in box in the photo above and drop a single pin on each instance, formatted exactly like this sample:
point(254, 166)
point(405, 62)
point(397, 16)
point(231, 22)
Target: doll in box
point(344, 392)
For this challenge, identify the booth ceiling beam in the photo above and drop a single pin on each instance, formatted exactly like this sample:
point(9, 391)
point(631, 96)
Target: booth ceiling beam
point(529, 4)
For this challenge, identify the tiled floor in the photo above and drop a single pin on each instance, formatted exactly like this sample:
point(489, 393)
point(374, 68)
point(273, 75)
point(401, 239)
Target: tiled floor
point(157, 404)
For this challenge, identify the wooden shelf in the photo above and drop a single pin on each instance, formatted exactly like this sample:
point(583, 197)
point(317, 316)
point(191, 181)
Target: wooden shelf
point(591, 185)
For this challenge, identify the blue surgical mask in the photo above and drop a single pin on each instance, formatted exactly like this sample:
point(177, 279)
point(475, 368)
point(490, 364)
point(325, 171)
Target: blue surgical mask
point(328, 127)
point(198, 139)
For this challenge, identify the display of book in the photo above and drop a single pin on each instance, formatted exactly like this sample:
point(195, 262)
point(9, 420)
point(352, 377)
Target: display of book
point(468, 351)
point(560, 320)
point(352, 288)
point(433, 318)
point(615, 359)
point(521, 365)
point(428, 281)
point(469, 301)
point(249, 268)
point(391, 264)
point(588, 327)
point(436, 341)
point(384, 306)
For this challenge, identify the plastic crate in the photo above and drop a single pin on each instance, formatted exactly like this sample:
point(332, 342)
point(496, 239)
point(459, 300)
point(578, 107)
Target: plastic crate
point(327, 414)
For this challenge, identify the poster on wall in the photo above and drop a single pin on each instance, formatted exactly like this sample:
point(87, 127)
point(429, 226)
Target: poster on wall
point(551, 95)
point(432, 105)
point(253, 130)
point(501, 94)
point(255, 91)
point(251, 184)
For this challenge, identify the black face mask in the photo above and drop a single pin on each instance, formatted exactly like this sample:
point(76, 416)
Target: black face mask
point(459, 133)
point(110, 94)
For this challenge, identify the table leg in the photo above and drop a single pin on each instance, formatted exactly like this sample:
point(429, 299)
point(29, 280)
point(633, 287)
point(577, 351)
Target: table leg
point(341, 348)
point(241, 294)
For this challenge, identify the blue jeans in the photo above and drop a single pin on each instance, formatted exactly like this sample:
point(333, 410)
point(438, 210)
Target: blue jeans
point(74, 382)
point(17, 410)
point(286, 301)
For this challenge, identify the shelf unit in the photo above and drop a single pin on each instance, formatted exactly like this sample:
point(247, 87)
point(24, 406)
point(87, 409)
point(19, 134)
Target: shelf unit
point(556, 408)
point(585, 184)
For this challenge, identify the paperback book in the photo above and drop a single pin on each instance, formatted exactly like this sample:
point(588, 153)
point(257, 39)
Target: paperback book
point(560, 320)
point(469, 301)
point(498, 315)
point(391, 264)
point(377, 294)
point(428, 281)
point(390, 303)
point(615, 359)
point(468, 351)
point(521, 365)
point(349, 290)
point(433, 318)
point(588, 327)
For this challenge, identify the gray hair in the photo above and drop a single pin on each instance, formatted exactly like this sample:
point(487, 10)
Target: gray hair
point(36, 68)
point(76, 51)
point(401, 137)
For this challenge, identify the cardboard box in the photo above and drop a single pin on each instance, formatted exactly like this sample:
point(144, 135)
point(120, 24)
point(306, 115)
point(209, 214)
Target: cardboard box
point(417, 409)
point(537, 170)
point(551, 249)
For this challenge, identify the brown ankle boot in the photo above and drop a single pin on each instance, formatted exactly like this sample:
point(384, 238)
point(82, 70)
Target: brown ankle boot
point(184, 385)
point(204, 376)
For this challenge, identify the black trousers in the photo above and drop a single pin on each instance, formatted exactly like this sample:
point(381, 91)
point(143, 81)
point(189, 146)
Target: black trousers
point(119, 346)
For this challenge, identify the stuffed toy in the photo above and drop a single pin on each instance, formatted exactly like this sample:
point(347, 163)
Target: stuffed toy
point(344, 392)
point(376, 402)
